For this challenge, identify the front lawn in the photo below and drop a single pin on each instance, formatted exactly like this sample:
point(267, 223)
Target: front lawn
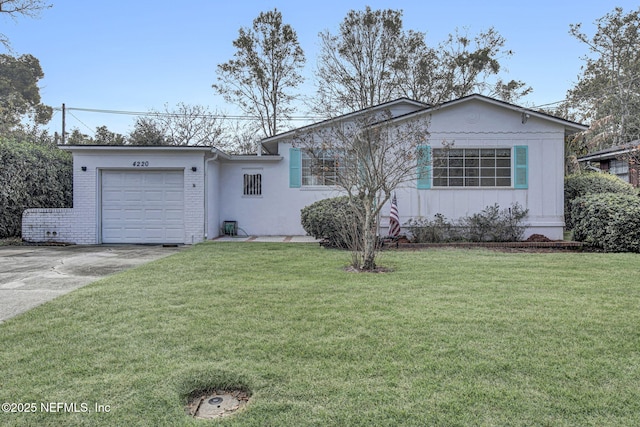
point(450, 337)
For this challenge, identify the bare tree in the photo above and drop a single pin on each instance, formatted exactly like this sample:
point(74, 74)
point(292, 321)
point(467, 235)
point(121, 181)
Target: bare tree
point(240, 138)
point(374, 154)
point(17, 8)
point(183, 125)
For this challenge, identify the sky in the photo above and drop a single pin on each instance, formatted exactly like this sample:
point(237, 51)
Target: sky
point(134, 55)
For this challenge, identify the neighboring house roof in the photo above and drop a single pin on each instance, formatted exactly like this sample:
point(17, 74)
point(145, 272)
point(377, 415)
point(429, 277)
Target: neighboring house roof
point(611, 152)
point(270, 144)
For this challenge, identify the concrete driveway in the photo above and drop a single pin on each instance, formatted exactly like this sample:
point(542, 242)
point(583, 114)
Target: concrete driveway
point(32, 275)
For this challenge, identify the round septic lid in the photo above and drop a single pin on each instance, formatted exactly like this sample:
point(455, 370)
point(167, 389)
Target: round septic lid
point(217, 404)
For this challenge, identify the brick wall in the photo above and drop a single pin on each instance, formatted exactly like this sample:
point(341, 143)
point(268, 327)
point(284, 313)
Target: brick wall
point(51, 225)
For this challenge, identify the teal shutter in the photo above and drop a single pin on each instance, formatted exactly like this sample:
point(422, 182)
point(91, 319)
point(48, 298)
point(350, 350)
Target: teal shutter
point(521, 166)
point(424, 167)
point(295, 168)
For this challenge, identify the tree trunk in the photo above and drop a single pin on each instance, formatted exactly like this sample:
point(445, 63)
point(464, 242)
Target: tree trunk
point(369, 238)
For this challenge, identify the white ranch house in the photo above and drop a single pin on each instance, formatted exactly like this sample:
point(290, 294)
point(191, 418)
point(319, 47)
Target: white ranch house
point(501, 153)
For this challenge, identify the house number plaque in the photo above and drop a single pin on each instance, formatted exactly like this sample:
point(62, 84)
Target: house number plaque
point(141, 164)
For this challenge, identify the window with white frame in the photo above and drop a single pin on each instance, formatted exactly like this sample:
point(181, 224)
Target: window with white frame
point(320, 167)
point(252, 184)
point(472, 167)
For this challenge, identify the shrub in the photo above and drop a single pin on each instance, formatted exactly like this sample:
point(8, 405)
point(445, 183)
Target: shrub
point(327, 219)
point(437, 231)
point(32, 176)
point(492, 224)
point(581, 184)
point(608, 221)
point(495, 225)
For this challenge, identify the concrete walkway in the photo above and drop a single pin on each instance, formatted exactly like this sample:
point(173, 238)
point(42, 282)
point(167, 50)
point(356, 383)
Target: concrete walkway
point(282, 239)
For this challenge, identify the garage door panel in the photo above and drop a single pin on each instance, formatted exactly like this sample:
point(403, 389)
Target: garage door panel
point(174, 196)
point(174, 180)
point(173, 215)
point(143, 207)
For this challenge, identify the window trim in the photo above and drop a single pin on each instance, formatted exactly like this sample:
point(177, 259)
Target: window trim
point(517, 175)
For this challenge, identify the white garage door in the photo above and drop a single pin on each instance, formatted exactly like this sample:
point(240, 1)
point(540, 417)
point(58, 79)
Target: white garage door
point(142, 207)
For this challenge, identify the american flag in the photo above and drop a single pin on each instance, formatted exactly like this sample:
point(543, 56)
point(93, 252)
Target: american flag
point(394, 219)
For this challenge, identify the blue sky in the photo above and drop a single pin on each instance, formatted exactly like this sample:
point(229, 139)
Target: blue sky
point(132, 55)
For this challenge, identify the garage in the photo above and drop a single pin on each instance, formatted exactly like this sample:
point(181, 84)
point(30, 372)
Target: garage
point(142, 206)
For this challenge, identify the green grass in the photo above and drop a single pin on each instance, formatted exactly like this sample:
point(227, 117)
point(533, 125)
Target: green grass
point(449, 338)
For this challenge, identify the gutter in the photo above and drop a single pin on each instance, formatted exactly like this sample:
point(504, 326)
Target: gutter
point(206, 192)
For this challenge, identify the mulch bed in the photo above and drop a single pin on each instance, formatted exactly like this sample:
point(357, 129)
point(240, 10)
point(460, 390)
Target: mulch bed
point(535, 243)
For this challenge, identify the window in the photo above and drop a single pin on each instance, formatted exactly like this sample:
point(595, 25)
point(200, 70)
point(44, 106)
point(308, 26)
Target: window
point(252, 184)
point(620, 168)
point(320, 167)
point(472, 167)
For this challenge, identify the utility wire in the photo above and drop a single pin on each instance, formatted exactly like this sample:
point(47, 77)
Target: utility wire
point(166, 114)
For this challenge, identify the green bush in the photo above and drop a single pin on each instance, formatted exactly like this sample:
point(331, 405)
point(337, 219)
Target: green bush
point(32, 176)
point(581, 184)
point(439, 230)
point(495, 225)
point(492, 224)
point(326, 219)
point(608, 221)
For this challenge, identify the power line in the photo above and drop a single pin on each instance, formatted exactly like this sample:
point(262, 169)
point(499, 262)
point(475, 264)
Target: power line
point(167, 114)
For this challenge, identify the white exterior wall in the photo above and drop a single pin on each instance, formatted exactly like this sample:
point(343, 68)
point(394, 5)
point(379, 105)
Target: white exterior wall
point(277, 210)
point(82, 225)
point(477, 124)
point(481, 125)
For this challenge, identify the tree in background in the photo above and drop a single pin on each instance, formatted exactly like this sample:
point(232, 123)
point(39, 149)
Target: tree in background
point(240, 138)
point(19, 92)
point(607, 94)
point(372, 60)
point(102, 136)
point(147, 131)
point(355, 66)
point(470, 65)
point(264, 72)
point(183, 125)
point(17, 8)
point(415, 68)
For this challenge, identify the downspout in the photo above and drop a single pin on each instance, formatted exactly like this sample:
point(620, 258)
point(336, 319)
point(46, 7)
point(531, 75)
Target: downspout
point(206, 195)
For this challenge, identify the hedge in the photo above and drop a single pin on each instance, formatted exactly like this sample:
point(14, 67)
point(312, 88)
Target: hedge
point(32, 176)
point(608, 221)
point(582, 184)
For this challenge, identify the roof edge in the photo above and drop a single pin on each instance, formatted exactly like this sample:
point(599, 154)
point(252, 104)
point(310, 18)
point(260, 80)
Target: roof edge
point(135, 147)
